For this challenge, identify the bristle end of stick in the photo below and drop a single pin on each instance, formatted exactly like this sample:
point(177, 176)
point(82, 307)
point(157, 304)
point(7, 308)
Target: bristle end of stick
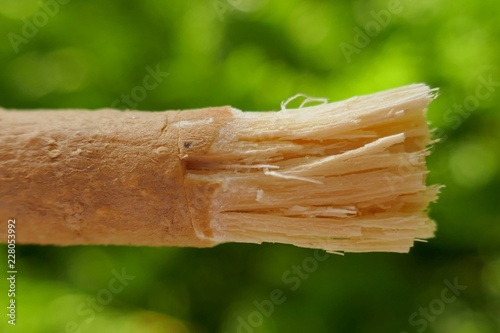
point(348, 176)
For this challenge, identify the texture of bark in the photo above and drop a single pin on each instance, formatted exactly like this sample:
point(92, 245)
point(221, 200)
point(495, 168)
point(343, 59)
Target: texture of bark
point(102, 177)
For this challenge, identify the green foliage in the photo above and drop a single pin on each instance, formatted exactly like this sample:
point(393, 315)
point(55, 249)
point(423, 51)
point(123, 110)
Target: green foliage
point(253, 54)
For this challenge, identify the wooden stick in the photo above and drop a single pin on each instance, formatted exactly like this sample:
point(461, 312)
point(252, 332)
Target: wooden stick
point(346, 176)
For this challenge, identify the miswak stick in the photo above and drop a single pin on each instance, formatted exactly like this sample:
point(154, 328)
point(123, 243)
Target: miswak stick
point(348, 176)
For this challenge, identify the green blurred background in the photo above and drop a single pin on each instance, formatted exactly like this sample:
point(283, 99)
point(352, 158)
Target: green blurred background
point(253, 54)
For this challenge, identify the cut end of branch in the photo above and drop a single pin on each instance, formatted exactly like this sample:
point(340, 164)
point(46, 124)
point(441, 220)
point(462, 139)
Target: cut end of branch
point(348, 176)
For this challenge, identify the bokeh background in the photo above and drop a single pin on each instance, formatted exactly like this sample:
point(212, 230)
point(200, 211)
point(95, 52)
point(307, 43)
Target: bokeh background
point(253, 54)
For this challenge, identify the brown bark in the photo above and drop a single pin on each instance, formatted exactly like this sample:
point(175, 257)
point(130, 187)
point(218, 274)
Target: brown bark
point(102, 177)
